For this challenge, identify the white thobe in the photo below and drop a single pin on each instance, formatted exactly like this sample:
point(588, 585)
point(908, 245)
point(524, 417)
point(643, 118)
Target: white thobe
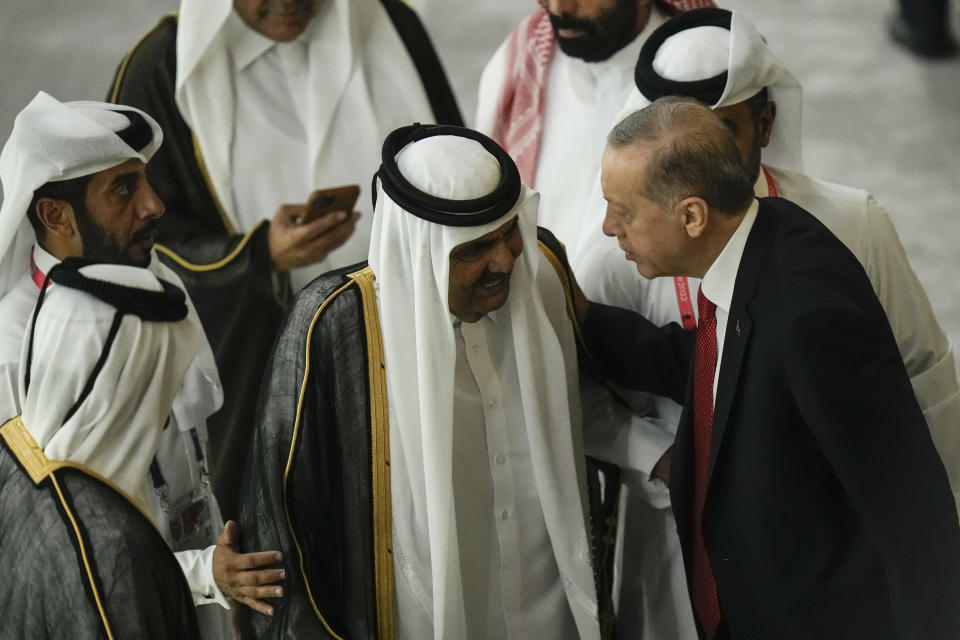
point(299, 116)
point(175, 454)
point(511, 583)
point(581, 102)
point(270, 138)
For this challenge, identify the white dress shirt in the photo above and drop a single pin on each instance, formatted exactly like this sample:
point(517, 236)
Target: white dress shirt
point(717, 283)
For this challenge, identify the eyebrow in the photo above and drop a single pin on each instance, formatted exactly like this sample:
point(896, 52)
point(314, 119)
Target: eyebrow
point(479, 245)
point(126, 179)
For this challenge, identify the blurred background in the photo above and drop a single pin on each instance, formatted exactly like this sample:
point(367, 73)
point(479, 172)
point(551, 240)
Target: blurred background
point(875, 116)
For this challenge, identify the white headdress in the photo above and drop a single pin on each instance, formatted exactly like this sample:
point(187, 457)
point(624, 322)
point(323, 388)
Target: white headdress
point(440, 187)
point(53, 141)
point(107, 353)
point(719, 57)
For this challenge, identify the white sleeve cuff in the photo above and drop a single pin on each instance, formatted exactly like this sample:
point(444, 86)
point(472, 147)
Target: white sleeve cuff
point(197, 566)
point(613, 433)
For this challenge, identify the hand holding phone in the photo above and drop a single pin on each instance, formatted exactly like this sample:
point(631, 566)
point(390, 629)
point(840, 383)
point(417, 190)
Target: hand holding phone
point(325, 201)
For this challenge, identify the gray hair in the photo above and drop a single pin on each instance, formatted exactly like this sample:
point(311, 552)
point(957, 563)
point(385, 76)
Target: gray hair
point(695, 154)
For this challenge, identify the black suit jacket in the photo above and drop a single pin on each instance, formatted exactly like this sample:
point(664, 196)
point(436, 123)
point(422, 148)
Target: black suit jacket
point(828, 512)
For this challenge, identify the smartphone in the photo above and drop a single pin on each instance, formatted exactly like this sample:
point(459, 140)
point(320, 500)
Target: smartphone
point(324, 201)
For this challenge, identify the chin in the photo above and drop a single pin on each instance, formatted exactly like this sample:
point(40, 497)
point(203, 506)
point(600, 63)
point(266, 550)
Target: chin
point(647, 272)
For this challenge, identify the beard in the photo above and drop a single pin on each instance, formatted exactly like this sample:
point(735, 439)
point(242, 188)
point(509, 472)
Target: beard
point(600, 37)
point(99, 245)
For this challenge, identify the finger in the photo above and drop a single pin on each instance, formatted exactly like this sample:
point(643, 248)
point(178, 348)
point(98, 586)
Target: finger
point(228, 537)
point(247, 561)
point(257, 605)
point(289, 214)
point(257, 578)
point(323, 224)
point(259, 593)
point(231, 532)
point(323, 244)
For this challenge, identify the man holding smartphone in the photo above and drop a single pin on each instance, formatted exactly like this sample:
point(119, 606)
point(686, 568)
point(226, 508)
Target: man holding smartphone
point(262, 102)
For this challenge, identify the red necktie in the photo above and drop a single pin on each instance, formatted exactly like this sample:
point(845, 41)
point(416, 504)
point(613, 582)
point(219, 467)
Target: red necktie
point(706, 604)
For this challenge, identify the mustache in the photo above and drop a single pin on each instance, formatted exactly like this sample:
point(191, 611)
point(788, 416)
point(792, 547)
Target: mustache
point(488, 278)
point(148, 230)
point(564, 21)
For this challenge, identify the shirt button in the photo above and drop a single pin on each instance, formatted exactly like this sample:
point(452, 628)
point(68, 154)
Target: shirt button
point(492, 403)
point(499, 459)
point(504, 514)
point(475, 348)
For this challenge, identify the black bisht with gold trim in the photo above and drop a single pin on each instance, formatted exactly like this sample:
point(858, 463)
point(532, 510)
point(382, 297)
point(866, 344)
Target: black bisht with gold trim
point(316, 484)
point(79, 560)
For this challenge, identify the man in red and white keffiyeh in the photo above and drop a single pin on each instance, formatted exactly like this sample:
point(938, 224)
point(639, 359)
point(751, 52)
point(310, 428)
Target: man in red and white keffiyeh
point(550, 109)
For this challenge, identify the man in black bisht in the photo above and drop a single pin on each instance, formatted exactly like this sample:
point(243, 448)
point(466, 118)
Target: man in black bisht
point(80, 557)
point(418, 455)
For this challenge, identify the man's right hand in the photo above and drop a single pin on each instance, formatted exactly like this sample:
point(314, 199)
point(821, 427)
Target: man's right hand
point(293, 244)
point(243, 576)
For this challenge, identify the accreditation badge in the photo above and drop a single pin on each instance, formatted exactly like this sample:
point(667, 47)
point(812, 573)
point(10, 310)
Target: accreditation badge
point(191, 521)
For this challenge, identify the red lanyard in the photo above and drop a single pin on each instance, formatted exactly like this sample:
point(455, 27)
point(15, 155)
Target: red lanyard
point(771, 185)
point(35, 274)
point(682, 285)
point(683, 301)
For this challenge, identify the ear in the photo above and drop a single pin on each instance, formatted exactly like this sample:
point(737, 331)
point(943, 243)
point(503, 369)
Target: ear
point(693, 214)
point(57, 216)
point(765, 123)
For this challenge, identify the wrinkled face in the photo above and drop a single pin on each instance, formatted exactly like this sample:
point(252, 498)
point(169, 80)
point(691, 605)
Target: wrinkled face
point(593, 30)
point(122, 214)
point(650, 235)
point(750, 133)
point(480, 272)
point(280, 20)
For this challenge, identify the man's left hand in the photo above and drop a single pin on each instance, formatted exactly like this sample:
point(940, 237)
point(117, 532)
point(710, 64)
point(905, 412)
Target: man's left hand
point(240, 575)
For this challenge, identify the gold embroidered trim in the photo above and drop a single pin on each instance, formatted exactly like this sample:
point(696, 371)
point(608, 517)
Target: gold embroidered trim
point(201, 163)
point(83, 554)
point(293, 447)
point(39, 467)
point(219, 264)
point(122, 71)
point(564, 276)
point(380, 456)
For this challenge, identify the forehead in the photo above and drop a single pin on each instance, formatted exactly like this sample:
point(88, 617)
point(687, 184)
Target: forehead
point(622, 169)
point(133, 165)
point(487, 238)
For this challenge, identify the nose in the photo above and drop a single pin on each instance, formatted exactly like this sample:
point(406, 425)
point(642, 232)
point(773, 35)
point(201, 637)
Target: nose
point(611, 226)
point(562, 7)
point(502, 259)
point(149, 204)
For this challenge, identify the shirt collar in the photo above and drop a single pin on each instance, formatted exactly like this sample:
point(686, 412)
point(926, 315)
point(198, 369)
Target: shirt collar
point(717, 283)
point(245, 44)
point(43, 259)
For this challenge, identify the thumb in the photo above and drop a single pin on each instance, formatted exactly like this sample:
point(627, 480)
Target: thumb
point(230, 536)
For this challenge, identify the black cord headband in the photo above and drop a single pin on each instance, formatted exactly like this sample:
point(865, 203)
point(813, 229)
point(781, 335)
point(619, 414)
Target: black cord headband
point(451, 213)
point(136, 135)
point(168, 305)
point(652, 85)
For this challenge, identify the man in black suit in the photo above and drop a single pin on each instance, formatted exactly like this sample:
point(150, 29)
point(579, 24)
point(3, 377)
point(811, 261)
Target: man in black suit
point(809, 499)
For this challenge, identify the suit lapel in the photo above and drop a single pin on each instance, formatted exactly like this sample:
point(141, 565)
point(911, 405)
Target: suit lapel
point(739, 325)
